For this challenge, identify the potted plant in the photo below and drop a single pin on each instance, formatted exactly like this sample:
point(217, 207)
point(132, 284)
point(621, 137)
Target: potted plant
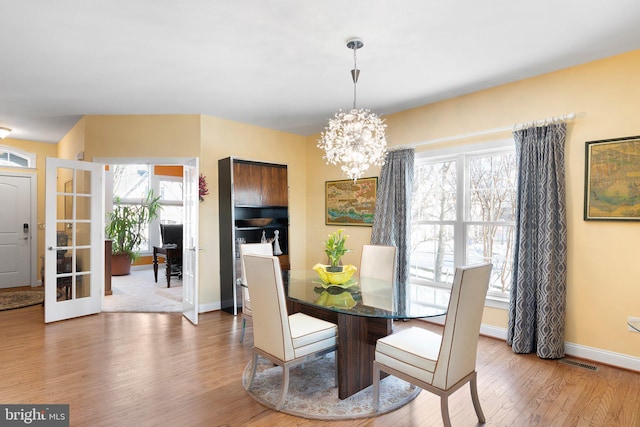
point(127, 227)
point(335, 249)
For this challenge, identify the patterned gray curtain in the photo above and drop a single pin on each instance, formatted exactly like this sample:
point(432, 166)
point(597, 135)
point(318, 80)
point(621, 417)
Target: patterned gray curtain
point(538, 292)
point(391, 222)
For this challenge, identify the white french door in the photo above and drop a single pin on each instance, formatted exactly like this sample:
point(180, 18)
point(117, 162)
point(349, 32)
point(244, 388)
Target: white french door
point(74, 239)
point(190, 248)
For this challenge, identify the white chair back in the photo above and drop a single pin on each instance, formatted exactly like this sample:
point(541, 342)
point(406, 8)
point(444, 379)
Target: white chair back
point(378, 262)
point(462, 326)
point(271, 332)
point(253, 249)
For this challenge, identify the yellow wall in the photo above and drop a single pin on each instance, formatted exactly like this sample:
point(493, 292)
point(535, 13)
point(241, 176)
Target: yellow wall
point(42, 151)
point(142, 136)
point(73, 142)
point(603, 271)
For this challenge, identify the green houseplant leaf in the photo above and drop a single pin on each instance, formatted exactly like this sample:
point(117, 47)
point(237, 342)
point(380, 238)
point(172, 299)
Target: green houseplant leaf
point(126, 224)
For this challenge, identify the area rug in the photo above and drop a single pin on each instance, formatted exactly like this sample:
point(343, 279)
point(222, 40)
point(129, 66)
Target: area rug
point(313, 394)
point(19, 299)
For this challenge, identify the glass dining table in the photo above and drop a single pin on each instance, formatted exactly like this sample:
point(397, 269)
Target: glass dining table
point(364, 310)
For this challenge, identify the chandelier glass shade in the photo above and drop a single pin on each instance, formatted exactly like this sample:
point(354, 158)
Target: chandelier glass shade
point(354, 139)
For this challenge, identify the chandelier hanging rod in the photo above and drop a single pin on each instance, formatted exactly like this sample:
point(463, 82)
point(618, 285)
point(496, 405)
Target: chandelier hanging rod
point(355, 44)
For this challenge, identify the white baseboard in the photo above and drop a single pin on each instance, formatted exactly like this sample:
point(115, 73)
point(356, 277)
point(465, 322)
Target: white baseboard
point(603, 356)
point(212, 306)
point(606, 357)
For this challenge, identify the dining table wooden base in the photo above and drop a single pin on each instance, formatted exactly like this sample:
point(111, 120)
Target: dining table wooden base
point(357, 337)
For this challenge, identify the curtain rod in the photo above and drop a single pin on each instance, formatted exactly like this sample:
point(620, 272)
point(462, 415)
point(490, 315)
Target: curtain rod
point(517, 126)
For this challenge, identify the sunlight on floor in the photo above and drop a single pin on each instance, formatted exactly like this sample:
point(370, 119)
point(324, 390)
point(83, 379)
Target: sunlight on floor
point(137, 292)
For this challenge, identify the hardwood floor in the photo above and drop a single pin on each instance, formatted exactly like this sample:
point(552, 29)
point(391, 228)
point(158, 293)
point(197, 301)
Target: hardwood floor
point(152, 369)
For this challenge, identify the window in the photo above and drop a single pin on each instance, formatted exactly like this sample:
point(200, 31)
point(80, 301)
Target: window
point(13, 157)
point(463, 210)
point(131, 183)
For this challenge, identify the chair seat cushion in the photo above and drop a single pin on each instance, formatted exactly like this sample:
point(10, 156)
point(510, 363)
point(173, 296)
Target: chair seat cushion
point(414, 351)
point(310, 334)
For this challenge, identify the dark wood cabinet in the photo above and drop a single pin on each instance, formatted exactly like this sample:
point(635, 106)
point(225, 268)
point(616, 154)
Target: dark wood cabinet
point(260, 184)
point(248, 190)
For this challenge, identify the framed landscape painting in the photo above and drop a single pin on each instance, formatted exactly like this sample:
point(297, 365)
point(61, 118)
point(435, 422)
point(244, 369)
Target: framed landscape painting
point(350, 203)
point(612, 179)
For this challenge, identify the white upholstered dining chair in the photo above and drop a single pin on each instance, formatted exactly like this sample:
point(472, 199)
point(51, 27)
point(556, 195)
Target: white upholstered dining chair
point(286, 340)
point(378, 262)
point(377, 275)
point(250, 249)
point(438, 363)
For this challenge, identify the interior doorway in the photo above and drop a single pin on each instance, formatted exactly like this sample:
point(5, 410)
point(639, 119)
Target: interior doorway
point(128, 179)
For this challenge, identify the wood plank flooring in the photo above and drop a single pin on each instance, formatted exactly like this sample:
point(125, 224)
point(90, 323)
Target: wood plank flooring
point(153, 369)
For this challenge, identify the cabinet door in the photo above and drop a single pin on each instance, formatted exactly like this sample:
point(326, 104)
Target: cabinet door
point(247, 184)
point(274, 186)
point(259, 184)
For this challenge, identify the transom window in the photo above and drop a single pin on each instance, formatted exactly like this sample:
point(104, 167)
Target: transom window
point(12, 157)
point(463, 209)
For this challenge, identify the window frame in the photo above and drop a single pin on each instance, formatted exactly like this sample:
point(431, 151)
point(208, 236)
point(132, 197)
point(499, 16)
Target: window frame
point(461, 155)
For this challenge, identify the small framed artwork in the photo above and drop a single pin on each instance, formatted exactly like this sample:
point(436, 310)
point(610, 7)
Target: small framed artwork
point(350, 203)
point(612, 179)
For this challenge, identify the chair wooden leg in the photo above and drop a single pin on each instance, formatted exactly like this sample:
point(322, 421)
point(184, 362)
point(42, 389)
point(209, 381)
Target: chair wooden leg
point(254, 365)
point(444, 408)
point(376, 387)
point(285, 387)
point(244, 327)
point(473, 384)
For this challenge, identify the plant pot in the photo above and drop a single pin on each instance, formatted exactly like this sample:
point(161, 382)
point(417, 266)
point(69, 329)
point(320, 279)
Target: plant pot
point(336, 269)
point(120, 264)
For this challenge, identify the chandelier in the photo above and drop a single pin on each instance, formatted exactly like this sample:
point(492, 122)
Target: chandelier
point(354, 138)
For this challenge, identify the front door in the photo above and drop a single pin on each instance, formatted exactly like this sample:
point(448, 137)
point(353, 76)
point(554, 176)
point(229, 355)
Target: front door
point(74, 239)
point(15, 231)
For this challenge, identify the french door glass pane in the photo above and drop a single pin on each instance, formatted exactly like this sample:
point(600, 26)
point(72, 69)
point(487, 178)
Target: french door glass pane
point(171, 214)
point(170, 190)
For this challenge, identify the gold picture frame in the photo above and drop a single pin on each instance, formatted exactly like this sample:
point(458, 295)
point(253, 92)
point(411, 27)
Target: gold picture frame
point(350, 203)
point(612, 179)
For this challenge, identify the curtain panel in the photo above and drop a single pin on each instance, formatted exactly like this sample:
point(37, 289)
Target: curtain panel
point(392, 218)
point(538, 294)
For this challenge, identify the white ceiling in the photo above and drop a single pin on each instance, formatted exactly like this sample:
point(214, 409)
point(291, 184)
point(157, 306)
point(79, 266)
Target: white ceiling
point(282, 64)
